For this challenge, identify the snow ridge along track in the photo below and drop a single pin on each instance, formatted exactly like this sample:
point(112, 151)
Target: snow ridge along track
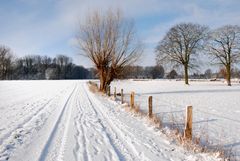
point(96, 136)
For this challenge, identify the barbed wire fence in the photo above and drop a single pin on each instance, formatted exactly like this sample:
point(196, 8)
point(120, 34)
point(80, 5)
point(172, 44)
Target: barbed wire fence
point(213, 130)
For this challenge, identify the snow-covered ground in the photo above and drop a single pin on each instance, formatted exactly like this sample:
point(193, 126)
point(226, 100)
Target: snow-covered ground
point(216, 107)
point(63, 120)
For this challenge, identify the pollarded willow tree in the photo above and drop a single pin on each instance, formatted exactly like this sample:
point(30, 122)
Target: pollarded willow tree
point(224, 48)
point(181, 45)
point(109, 41)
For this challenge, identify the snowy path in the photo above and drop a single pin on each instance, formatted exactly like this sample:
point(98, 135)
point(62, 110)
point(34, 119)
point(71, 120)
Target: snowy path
point(75, 124)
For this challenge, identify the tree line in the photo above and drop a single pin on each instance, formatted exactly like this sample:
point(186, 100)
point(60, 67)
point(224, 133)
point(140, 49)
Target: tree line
point(61, 67)
point(33, 67)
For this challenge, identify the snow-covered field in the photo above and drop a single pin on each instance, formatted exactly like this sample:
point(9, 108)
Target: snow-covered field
point(63, 120)
point(216, 107)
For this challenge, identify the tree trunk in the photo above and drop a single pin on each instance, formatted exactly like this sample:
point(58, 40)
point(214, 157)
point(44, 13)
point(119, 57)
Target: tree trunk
point(186, 73)
point(103, 83)
point(106, 77)
point(228, 74)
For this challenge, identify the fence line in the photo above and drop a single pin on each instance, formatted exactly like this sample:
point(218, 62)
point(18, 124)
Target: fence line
point(137, 99)
point(192, 123)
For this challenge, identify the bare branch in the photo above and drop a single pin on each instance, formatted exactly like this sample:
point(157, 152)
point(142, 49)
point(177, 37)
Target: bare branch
point(224, 47)
point(181, 45)
point(109, 42)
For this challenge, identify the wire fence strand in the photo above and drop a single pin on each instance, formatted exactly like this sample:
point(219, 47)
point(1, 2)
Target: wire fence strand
point(211, 127)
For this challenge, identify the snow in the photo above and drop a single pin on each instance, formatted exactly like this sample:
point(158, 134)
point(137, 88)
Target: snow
point(63, 120)
point(216, 107)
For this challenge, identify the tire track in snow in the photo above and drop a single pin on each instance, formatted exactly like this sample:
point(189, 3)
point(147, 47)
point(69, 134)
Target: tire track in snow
point(135, 135)
point(52, 134)
point(146, 144)
point(25, 121)
point(30, 111)
point(30, 115)
point(135, 140)
point(80, 129)
point(38, 113)
point(93, 139)
point(86, 128)
point(117, 139)
point(15, 136)
point(67, 126)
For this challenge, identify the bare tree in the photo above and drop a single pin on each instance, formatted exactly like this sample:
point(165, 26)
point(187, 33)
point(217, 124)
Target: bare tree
point(46, 62)
point(109, 42)
point(157, 72)
point(208, 73)
point(172, 74)
point(224, 47)
point(6, 60)
point(180, 46)
point(63, 62)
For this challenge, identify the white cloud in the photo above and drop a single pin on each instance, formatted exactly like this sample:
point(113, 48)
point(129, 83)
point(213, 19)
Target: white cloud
point(191, 12)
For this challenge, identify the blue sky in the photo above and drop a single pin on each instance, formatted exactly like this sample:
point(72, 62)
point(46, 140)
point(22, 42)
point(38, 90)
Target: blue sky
point(48, 27)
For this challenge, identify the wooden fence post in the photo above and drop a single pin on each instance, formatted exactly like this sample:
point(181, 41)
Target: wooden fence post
point(115, 92)
point(150, 106)
point(122, 96)
point(188, 123)
point(109, 91)
point(132, 100)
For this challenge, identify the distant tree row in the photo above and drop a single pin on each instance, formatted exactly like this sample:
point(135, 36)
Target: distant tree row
point(151, 72)
point(61, 67)
point(158, 72)
point(219, 74)
point(185, 43)
point(40, 67)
